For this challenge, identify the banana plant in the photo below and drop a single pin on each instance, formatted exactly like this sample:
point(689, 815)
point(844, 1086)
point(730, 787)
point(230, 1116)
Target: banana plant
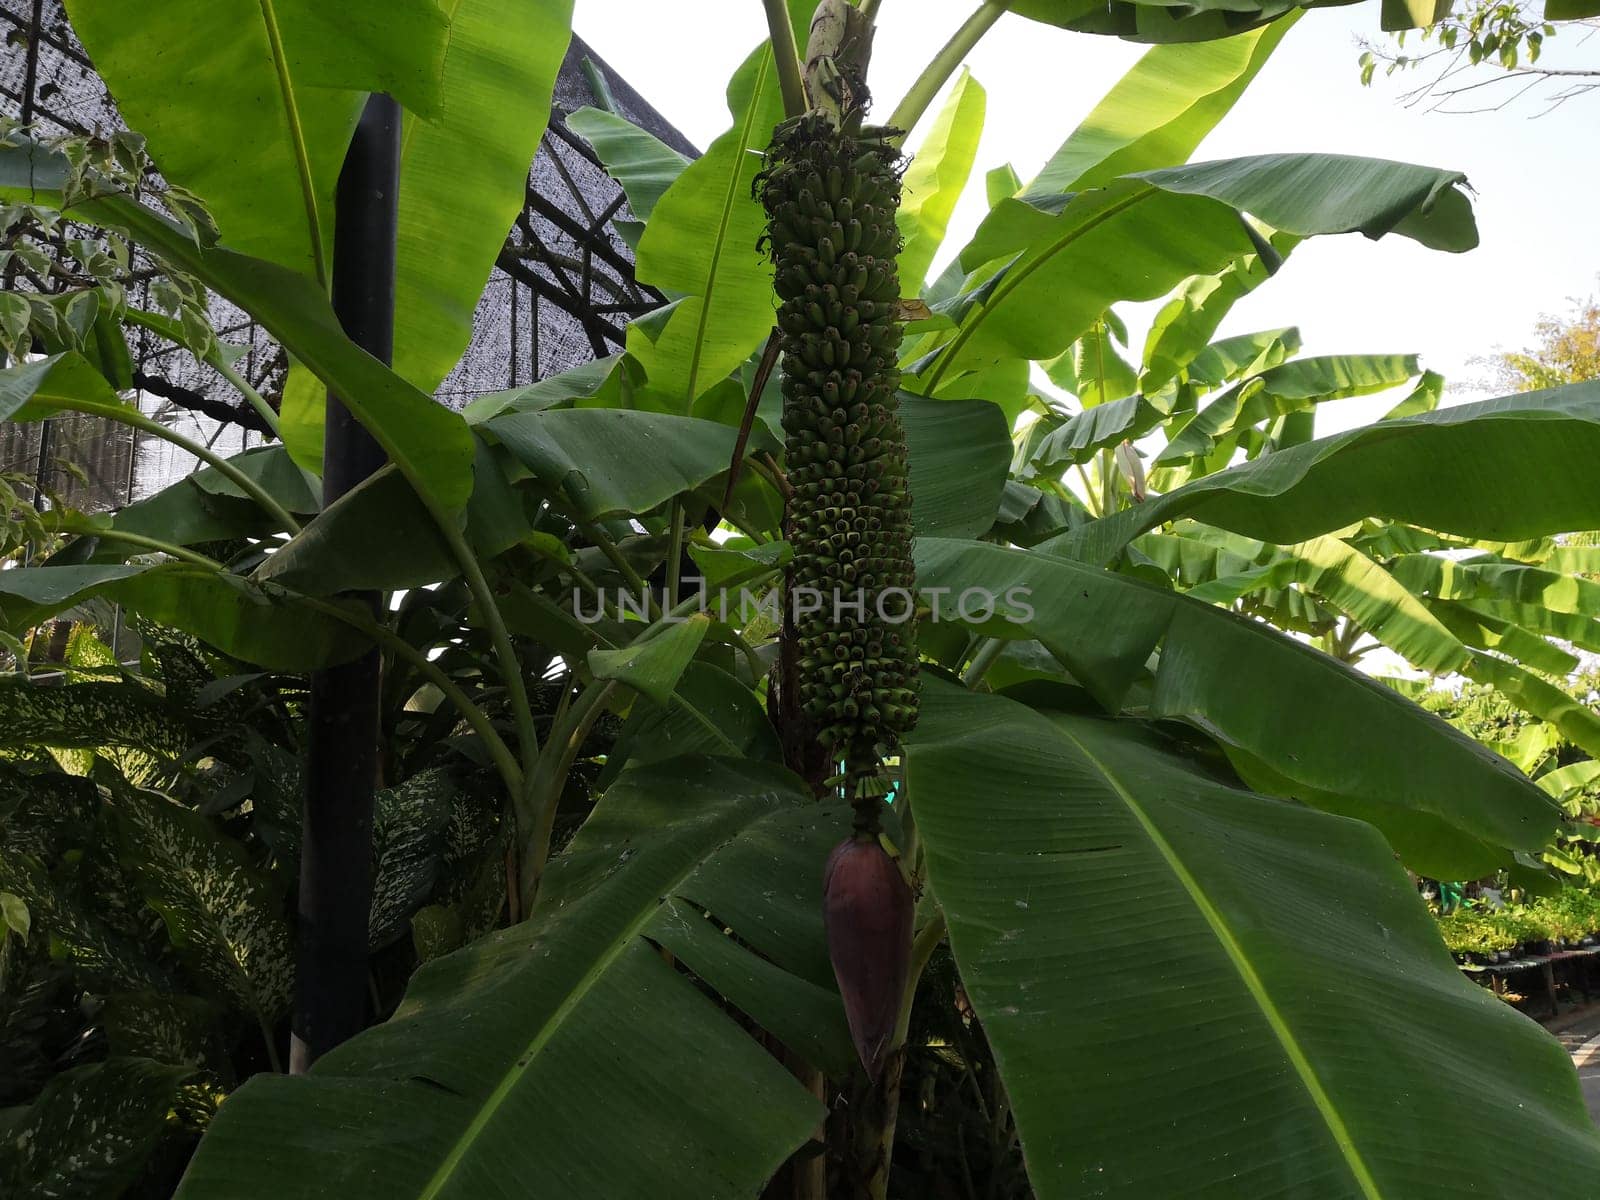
point(1154, 837)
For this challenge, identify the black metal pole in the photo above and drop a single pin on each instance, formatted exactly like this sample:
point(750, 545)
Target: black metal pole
point(30, 82)
point(342, 766)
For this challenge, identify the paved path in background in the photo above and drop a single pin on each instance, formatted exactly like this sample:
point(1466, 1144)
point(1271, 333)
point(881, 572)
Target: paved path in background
point(1582, 1041)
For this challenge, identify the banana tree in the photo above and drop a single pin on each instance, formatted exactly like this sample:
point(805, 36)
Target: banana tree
point(1155, 837)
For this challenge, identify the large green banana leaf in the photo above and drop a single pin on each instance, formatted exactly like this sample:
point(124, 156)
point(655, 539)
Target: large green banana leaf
point(1288, 715)
point(1529, 646)
point(1195, 991)
point(958, 453)
point(250, 104)
point(1160, 111)
point(937, 176)
point(652, 666)
point(1210, 564)
point(1232, 358)
point(1146, 21)
point(1182, 330)
point(1076, 439)
point(570, 1056)
point(711, 713)
point(1140, 236)
point(1509, 606)
point(1079, 437)
point(608, 461)
point(204, 506)
point(377, 535)
point(1577, 721)
point(1356, 586)
point(1428, 469)
point(597, 462)
point(701, 243)
point(1493, 579)
point(1092, 370)
point(222, 610)
point(1581, 631)
point(464, 172)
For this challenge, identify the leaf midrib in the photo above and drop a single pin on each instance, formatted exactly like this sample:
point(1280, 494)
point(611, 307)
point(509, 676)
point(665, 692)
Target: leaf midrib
point(1303, 1068)
point(297, 138)
point(1019, 276)
point(729, 196)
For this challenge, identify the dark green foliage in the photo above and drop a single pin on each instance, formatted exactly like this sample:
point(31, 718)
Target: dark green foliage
point(44, 814)
point(831, 198)
point(87, 715)
point(955, 1125)
point(146, 965)
point(90, 1132)
point(224, 917)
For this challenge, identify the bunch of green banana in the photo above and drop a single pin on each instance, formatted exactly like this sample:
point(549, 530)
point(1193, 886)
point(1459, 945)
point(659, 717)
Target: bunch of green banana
point(831, 189)
point(831, 196)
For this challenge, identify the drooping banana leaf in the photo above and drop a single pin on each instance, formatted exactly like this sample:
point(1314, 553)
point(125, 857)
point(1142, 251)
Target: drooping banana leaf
point(642, 163)
point(605, 461)
point(377, 535)
point(1159, 22)
point(1192, 990)
point(475, 77)
point(567, 1053)
point(1382, 604)
point(221, 609)
point(1490, 579)
point(464, 172)
point(1581, 631)
point(1484, 631)
point(1139, 236)
point(711, 713)
point(1425, 469)
point(430, 444)
point(1291, 387)
point(653, 665)
point(1288, 715)
point(957, 455)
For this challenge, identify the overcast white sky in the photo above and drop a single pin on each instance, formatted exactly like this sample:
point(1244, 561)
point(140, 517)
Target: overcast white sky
point(1536, 177)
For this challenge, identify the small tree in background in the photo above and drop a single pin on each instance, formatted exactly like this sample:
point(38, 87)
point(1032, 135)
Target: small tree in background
point(1568, 351)
point(1509, 36)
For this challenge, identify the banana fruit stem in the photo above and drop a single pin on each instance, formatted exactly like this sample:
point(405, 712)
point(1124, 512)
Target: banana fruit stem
point(943, 65)
point(787, 57)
